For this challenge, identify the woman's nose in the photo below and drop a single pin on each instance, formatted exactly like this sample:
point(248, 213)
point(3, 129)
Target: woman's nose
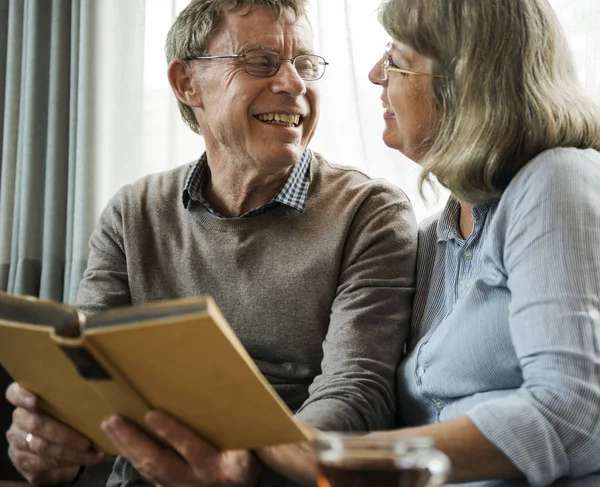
point(375, 74)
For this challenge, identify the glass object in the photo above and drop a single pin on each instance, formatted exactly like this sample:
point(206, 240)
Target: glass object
point(388, 65)
point(263, 63)
point(350, 460)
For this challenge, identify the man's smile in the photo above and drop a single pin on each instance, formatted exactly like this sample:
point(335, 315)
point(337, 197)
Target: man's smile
point(288, 120)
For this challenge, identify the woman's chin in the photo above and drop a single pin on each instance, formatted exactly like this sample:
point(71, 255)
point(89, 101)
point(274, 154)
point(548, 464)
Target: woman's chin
point(394, 142)
point(391, 140)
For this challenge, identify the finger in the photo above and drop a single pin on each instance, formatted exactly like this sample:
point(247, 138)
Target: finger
point(32, 463)
point(311, 430)
point(19, 397)
point(58, 454)
point(198, 453)
point(155, 463)
point(38, 472)
point(46, 428)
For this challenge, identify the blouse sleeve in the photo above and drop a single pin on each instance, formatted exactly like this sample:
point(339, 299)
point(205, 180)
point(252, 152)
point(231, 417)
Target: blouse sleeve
point(551, 253)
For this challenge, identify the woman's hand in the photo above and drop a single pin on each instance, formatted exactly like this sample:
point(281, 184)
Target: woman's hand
point(473, 458)
point(296, 461)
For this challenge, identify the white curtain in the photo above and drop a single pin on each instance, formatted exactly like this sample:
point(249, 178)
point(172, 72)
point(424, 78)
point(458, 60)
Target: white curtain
point(580, 19)
point(141, 131)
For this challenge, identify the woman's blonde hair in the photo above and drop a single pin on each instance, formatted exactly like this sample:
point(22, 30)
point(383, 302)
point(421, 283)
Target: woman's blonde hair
point(196, 23)
point(510, 90)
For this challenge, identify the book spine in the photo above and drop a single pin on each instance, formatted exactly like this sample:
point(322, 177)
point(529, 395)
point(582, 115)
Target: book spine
point(112, 387)
point(85, 363)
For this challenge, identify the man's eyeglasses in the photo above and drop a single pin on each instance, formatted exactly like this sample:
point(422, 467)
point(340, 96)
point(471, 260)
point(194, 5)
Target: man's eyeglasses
point(387, 64)
point(263, 64)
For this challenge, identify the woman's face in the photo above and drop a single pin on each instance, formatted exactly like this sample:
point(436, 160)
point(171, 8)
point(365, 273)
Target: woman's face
point(407, 100)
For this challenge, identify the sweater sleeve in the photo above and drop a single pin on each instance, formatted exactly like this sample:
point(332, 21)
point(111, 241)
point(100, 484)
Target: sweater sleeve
point(551, 427)
point(105, 283)
point(369, 319)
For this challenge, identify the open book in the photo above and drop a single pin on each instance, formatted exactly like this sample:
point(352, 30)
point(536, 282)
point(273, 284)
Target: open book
point(177, 356)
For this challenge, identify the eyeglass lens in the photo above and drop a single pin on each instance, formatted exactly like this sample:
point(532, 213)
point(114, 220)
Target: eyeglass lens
point(265, 63)
point(385, 62)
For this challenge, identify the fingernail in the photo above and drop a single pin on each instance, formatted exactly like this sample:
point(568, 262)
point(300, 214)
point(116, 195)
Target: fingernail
point(105, 426)
point(111, 425)
point(154, 420)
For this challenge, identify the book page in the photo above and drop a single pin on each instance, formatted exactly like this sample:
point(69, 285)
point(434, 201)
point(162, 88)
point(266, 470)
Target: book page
point(146, 312)
point(33, 311)
point(193, 367)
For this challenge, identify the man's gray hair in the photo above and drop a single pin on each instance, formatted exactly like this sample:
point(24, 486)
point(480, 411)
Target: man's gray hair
point(197, 22)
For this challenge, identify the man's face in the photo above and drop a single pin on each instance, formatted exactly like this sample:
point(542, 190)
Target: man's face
point(235, 105)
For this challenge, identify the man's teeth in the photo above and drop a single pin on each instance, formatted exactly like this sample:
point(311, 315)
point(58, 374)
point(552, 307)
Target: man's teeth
point(388, 109)
point(282, 118)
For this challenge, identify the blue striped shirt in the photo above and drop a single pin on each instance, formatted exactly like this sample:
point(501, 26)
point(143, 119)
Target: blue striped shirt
point(293, 193)
point(506, 324)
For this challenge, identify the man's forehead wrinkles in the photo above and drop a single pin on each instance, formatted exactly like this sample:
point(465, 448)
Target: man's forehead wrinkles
point(278, 42)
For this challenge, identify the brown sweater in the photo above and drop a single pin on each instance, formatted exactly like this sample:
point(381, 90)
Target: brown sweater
point(321, 299)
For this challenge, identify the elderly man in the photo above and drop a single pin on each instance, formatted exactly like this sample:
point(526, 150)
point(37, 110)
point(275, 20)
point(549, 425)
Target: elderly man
point(311, 263)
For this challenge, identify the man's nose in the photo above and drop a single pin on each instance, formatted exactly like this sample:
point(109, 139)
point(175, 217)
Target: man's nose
point(288, 80)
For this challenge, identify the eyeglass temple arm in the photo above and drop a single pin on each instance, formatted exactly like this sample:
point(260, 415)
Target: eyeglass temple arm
point(230, 56)
point(418, 73)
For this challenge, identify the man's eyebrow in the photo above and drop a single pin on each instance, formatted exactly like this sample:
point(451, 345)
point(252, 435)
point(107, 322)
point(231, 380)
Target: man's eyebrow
point(255, 47)
point(262, 47)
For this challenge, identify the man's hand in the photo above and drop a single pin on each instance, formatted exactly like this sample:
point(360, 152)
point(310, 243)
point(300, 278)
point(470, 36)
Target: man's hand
point(44, 450)
point(199, 464)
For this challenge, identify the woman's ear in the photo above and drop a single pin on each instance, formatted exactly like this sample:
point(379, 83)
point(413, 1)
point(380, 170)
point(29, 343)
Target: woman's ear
point(181, 79)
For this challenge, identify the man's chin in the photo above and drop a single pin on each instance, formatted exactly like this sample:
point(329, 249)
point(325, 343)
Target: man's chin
point(283, 155)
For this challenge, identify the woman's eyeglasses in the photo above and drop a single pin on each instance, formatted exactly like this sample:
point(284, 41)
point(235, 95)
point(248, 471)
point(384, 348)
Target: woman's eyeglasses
point(387, 64)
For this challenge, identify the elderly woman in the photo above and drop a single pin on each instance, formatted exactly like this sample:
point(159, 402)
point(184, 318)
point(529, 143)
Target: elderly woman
point(503, 362)
point(502, 367)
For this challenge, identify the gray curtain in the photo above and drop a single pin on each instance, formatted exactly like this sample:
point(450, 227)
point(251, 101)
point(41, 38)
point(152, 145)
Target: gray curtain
point(46, 76)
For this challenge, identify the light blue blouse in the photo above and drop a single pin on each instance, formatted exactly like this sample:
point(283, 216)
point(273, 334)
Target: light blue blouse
point(506, 324)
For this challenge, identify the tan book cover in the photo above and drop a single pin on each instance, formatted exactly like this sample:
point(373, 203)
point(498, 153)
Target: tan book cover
point(179, 356)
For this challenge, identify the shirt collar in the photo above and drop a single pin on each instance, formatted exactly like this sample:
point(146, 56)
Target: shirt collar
point(293, 193)
point(447, 226)
point(448, 221)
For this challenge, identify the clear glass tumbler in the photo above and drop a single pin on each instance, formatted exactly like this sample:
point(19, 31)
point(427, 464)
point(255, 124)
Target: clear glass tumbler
point(352, 460)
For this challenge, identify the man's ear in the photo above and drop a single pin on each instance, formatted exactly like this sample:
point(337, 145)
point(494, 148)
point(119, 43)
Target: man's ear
point(185, 87)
